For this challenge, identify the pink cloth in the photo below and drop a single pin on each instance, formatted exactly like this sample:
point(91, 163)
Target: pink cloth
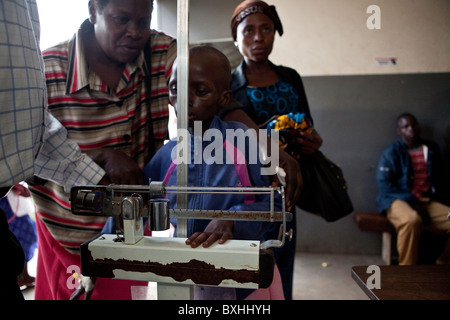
point(54, 275)
point(273, 292)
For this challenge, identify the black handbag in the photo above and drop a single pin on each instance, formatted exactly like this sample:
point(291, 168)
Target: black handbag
point(324, 188)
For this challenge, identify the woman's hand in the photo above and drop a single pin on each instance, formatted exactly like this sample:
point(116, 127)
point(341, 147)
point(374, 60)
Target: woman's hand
point(216, 230)
point(310, 142)
point(120, 168)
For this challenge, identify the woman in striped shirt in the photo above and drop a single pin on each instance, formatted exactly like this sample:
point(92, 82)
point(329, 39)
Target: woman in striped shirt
point(114, 104)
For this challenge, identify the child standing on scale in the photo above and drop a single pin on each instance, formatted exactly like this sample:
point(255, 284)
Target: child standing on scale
point(209, 89)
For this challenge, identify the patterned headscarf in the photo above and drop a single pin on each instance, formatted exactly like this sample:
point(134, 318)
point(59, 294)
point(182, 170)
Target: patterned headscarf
point(249, 7)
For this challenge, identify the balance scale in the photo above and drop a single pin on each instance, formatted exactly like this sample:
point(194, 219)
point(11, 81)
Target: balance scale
point(175, 266)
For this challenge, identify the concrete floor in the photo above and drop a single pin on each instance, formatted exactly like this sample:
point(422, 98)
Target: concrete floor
point(317, 276)
point(328, 276)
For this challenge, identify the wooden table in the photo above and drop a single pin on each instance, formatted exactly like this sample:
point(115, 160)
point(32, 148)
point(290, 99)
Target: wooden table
point(421, 282)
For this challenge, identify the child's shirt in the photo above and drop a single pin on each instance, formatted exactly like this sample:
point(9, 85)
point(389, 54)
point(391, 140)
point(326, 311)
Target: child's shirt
point(222, 172)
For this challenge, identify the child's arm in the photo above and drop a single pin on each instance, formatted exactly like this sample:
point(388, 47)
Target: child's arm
point(244, 230)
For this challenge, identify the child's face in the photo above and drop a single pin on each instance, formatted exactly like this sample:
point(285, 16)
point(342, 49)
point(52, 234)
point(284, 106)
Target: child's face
point(206, 94)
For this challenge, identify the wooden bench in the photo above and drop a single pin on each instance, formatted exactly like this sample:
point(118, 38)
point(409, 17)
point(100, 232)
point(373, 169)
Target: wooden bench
point(378, 223)
point(431, 245)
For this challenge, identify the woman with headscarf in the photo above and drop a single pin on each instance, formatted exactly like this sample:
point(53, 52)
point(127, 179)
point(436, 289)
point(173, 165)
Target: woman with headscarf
point(266, 90)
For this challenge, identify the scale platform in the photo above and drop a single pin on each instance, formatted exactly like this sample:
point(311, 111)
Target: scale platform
point(236, 263)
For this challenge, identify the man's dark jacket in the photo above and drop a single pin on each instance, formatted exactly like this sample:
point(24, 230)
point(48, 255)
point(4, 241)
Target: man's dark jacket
point(395, 175)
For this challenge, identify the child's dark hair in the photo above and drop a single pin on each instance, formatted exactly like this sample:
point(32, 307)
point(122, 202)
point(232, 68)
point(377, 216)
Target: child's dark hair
point(224, 62)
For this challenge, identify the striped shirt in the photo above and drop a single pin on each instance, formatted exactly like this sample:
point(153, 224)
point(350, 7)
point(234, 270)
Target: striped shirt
point(32, 142)
point(97, 118)
point(421, 183)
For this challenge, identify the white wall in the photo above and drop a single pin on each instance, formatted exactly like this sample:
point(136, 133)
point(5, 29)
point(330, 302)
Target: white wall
point(330, 37)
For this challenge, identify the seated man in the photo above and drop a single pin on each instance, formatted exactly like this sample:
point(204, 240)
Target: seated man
point(407, 176)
